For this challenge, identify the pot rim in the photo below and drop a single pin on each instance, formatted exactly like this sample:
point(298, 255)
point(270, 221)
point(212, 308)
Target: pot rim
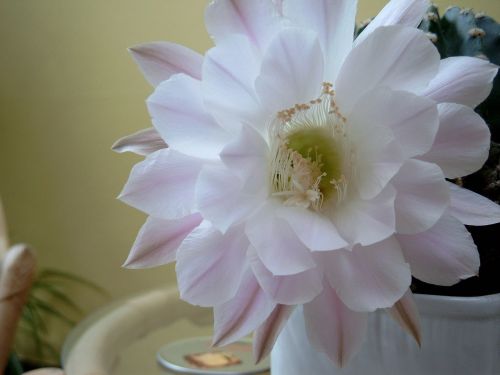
point(478, 307)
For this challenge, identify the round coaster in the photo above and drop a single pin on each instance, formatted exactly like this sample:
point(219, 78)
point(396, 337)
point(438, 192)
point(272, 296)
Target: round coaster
point(196, 356)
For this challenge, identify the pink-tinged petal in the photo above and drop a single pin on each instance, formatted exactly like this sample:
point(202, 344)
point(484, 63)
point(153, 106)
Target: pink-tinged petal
point(397, 12)
point(210, 265)
point(471, 208)
point(367, 222)
point(144, 142)
point(315, 231)
point(241, 315)
point(158, 241)
point(160, 60)
point(221, 197)
point(276, 243)
point(227, 74)
point(400, 58)
point(422, 196)
point(265, 336)
point(443, 255)
point(334, 329)
point(369, 277)
point(414, 120)
point(163, 184)
point(463, 80)
point(462, 143)
point(292, 70)
point(405, 313)
point(290, 289)
point(333, 21)
point(247, 155)
point(257, 20)
point(180, 117)
point(4, 236)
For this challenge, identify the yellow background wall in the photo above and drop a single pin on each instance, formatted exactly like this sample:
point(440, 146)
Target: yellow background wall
point(68, 89)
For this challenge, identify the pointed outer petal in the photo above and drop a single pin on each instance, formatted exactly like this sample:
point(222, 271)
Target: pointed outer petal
point(163, 184)
point(422, 196)
point(443, 255)
point(242, 314)
point(144, 142)
point(334, 329)
point(180, 117)
point(462, 143)
point(414, 120)
point(247, 155)
point(210, 265)
point(4, 236)
point(405, 313)
point(221, 197)
point(367, 222)
point(398, 57)
point(315, 231)
point(291, 289)
point(258, 20)
point(334, 22)
point(471, 208)
point(158, 240)
point(292, 70)
point(369, 277)
point(276, 243)
point(160, 60)
point(397, 12)
point(463, 80)
point(265, 336)
point(228, 84)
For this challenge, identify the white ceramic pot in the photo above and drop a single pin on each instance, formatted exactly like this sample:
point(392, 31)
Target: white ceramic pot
point(460, 336)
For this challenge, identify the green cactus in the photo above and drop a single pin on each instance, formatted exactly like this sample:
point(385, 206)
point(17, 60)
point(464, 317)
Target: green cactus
point(462, 32)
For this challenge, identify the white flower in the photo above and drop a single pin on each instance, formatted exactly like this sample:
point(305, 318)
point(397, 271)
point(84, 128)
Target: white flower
point(307, 168)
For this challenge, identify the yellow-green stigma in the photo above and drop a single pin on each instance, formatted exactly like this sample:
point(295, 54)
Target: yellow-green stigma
point(309, 152)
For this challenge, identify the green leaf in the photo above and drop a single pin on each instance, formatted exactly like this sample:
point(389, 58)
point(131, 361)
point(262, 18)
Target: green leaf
point(56, 274)
point(57, 294)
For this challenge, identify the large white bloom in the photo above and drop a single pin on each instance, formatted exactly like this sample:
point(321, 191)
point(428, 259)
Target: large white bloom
point(307, 168)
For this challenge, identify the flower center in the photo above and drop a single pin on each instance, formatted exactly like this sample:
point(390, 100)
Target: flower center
point(310, 152)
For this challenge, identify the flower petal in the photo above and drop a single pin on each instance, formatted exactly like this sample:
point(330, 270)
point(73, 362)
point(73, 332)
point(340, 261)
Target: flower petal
point(314, 230)
point(257, 20)
point(221, 197)
point(400, 58)
point(163, 184)
point(333, 20)
point(241, 315)
point(246, 156)
point(265, 336)
point(443, 255)
point(210, 265)
point(290, 289)
point(397, 12)
point(462, 143)
point(463, 80)
point(276, 243)
point(368, 277)
point(158, 240)
point(292, 70)
point(334, 329)
point(179, 115)
point(144, 142)
point(471, 208)
point(405, 313)
point(367, 222)
point(422, 196)
point(413, 119)
point(232, 75)
point(160, 60)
